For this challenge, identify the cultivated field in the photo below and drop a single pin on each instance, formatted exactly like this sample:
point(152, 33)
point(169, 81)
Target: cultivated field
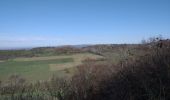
point(41, 68)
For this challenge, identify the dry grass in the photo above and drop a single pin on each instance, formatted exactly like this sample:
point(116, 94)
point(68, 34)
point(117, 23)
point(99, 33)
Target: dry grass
point(78, 59)
point(58, 67)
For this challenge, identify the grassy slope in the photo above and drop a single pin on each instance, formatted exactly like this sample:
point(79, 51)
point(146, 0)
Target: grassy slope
point(40, 68)
point(29, 69)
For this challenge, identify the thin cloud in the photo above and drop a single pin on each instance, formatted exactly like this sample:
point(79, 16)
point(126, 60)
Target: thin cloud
point(30, 41)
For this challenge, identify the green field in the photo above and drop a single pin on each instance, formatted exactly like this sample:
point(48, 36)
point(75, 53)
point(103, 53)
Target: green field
point(41, 68)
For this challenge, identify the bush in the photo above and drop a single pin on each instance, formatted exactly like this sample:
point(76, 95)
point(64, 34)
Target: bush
point(145, 78)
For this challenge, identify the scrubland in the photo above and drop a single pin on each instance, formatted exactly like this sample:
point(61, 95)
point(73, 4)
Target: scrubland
point(98, 72)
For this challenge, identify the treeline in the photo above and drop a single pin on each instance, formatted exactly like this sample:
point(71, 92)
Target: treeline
point(64, 50)
point(42, 51)
point(143, 78)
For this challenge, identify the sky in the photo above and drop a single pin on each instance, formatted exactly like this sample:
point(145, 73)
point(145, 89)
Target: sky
point(33, 23)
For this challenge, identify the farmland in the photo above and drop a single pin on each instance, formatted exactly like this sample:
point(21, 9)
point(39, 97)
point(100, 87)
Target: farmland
point(41, 68)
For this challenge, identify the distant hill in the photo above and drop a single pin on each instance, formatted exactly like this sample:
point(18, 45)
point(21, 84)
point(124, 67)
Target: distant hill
point(107, 50)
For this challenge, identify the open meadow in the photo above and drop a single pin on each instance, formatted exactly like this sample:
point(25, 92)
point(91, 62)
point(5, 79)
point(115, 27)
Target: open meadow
point(41, 68)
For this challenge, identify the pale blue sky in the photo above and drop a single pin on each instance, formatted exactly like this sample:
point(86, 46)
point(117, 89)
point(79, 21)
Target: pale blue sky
point(31, 23)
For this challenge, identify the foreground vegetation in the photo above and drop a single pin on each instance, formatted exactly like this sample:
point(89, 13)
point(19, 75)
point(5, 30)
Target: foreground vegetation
point(134, 77)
